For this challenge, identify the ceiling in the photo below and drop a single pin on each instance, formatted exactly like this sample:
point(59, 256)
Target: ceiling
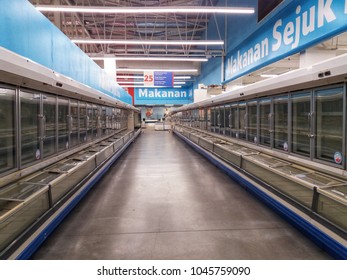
point(138, 27)
point(144, 26)
point(163, 27)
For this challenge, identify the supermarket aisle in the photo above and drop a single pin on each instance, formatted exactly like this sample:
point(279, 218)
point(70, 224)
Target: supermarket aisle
point(162, 200)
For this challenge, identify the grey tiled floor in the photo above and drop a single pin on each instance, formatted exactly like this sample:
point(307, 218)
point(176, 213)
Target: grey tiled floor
point(162, 200)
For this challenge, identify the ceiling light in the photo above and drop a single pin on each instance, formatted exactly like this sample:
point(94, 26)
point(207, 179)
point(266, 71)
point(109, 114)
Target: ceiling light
point(268, 75)
point(159, 70)
point(150, 42)
point(129, 77)
point(150, 87)
point(142, 83)
point(129, 83)
point(139, 58)
point(142, 10)
point(137, 77)
point(182, 77)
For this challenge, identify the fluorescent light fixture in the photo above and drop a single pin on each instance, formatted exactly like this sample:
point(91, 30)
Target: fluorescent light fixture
point(150, 87)
point(145, 10)
point(129, 83)
point(129, 77)
point(142, 83)
point(235, 87)
point(139, 58)
point(182, 77)
point(268, 75)
point(140, 77)
point(159, 70)
point(150, 42)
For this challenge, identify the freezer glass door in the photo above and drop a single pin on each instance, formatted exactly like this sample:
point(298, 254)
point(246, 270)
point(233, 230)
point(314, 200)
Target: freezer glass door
point(73, 123)
point(242, 121)
point(7, 130)
point(281, 123)
point(49, 124)
point(265, 122)
point(252, 122)
point(234, 122)
point(89, 122)
point(30, 134)
point(329, 125)
point(301, 123)
point(83, 122)
point(63, 119)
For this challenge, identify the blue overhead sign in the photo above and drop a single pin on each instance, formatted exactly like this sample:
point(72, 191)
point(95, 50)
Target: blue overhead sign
point(164, 79)
point(161, 96)
point(300, 25)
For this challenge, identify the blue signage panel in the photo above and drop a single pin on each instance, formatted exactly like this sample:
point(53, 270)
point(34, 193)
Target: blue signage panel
point(164, 79)
point(162, 96)
point(299, 26)
point(27, 32)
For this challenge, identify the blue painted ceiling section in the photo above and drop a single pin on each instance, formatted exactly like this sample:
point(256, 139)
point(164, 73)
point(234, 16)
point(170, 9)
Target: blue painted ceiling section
point(239, 27)
point(211, 73)
point(28, 33)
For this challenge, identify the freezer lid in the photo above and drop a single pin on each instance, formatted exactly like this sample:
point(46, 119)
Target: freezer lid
point(320, 180)
point(267, 160)
point(96, 148)
point(6, 206)
point(63, 167)
point(292, 170)
point(45, 177)
point(229, 146)
point(21, 190)
point(338, 193)
point(245, 151)
point(85, 155)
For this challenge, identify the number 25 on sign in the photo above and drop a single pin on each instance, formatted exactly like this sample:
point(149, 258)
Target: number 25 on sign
point(148, 78)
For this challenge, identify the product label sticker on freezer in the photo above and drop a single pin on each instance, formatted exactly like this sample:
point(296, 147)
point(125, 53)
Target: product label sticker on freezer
point(338, 158)
point(38, 154)
point(285, 146)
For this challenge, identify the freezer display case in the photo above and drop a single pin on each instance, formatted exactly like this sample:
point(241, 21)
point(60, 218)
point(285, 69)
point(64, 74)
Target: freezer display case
point(7, 130)
point(194, 136)
point(186, 133)
point(225, 149)
point(20, 205)
point(62, 177)
point(87, 158)
point(332, 204)
point(281, 175)
point(117, 141)
point(83, 155)
point(105, 150)
point(126, 137)
point(233, 152)
point(206, 142)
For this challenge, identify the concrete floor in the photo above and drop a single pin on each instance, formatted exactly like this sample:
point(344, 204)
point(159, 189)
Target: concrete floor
point(162, 200)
